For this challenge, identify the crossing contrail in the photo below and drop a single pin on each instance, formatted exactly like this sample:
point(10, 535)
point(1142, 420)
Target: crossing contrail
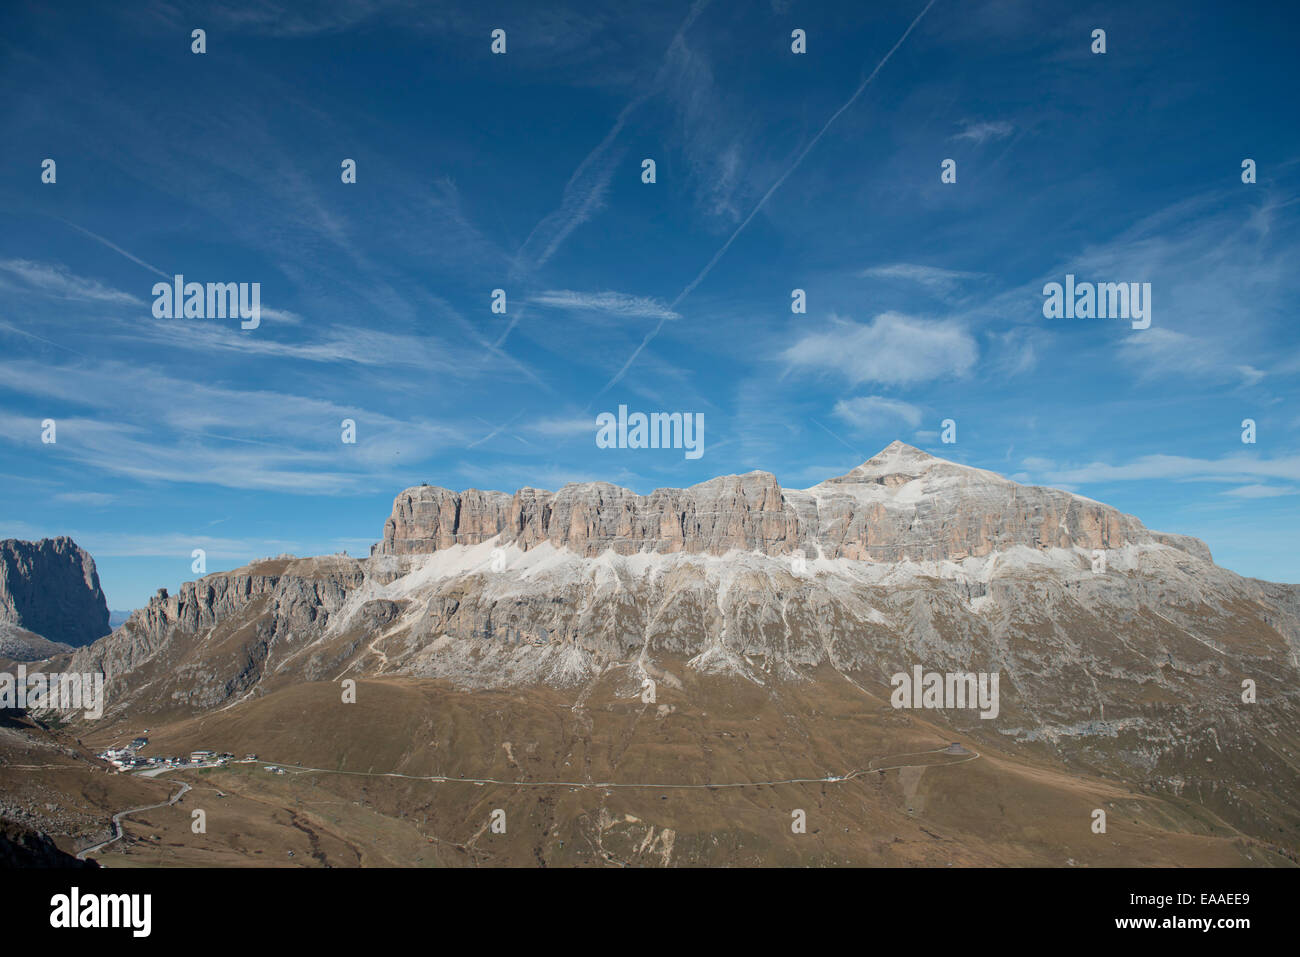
point(690, 287)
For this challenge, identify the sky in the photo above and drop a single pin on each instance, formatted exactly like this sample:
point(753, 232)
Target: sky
point(524, 172)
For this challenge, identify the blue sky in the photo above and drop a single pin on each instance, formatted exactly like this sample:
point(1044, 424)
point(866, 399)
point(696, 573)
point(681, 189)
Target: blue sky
point(775, 171)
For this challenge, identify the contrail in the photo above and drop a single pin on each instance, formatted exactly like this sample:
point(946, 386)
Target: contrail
point(798, 159)
point(838, 439)
point(690, 287)
point(116, 249)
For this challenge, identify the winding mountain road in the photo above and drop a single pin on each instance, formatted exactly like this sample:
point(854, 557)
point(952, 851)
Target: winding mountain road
point(117, 821)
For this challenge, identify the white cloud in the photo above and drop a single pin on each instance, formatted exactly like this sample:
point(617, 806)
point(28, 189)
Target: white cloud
point(873, 411)
point(282, 315)
point(981, 132)
point(1250, 374)
point(893, 349)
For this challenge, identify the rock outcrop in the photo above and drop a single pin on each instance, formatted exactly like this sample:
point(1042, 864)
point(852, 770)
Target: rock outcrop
point(51, 588)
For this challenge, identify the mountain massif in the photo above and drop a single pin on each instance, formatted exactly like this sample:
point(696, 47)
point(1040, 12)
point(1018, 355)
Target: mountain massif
point(746, 632)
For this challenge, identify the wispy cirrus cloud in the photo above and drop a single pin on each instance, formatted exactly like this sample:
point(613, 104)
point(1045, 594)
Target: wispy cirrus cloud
point(277, 19)
point(167, 429)
point(582, 198)
point(1261, 491)
point(613, 303)
point(338, 344)
point(1156, 352)
point(1238, 467)
point(583, 195)
point(934, 278)
point(1014, 352)
point(58, 282)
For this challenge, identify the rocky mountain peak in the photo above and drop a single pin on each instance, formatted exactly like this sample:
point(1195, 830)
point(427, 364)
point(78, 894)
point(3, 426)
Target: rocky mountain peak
point(898, 456)
point(899, 463)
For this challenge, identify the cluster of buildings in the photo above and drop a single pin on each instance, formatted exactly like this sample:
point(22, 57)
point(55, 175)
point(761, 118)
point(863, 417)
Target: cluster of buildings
point(127, 759)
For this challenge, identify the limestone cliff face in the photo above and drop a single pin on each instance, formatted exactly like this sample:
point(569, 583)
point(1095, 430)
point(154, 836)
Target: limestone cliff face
point(51, 588)
point(735, 511)
point(428, 518)
point(900, 505)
